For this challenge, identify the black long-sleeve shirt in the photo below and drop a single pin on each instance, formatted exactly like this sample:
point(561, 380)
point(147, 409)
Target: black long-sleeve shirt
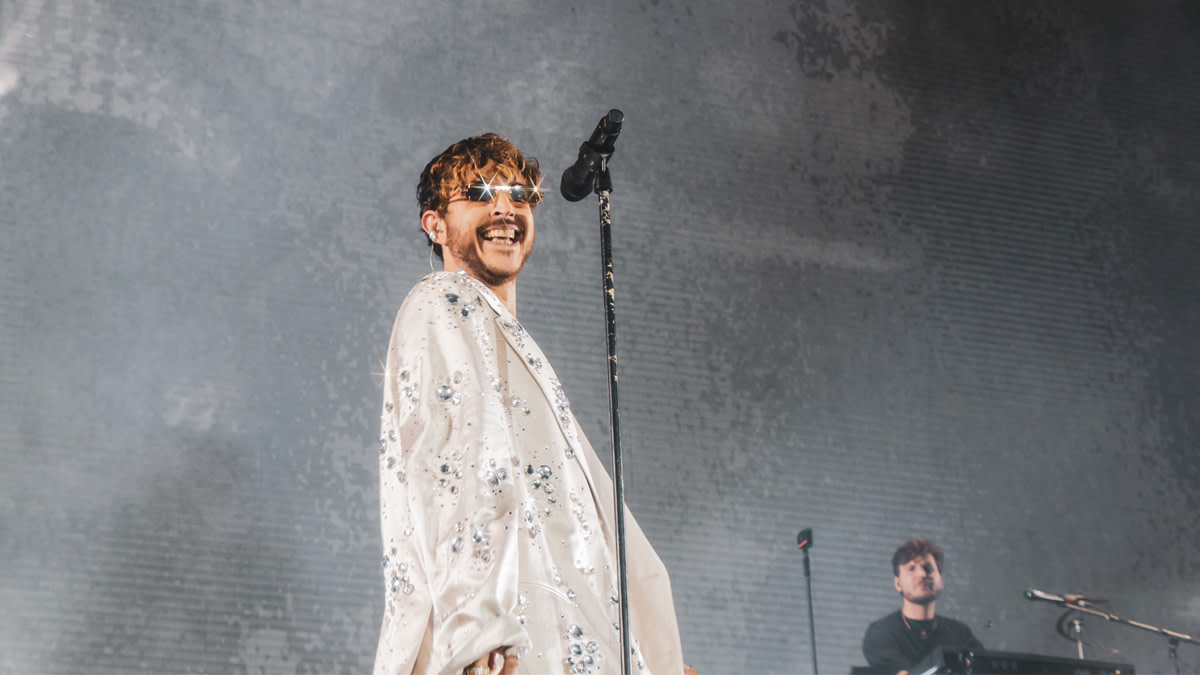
point(890, 645)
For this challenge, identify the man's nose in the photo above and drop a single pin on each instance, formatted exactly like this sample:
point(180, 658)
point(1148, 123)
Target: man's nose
point(502, 205)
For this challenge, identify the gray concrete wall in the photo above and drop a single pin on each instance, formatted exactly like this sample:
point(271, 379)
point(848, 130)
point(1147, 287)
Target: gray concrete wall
point(885, 269)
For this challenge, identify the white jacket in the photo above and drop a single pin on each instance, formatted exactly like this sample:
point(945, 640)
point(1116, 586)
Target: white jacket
point(497, 515)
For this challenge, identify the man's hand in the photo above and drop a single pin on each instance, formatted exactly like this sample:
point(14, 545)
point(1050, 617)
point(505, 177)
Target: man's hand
point(495, 663)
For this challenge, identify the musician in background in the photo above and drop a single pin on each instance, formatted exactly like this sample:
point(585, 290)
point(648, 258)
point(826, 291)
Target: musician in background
point(913, 639)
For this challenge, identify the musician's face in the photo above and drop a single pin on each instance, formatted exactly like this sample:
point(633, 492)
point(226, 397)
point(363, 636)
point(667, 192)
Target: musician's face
point(919, 580)
point(489, 238)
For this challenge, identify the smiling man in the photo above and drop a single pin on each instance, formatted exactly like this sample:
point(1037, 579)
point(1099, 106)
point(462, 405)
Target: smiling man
point(913, 639)
point(497, 516)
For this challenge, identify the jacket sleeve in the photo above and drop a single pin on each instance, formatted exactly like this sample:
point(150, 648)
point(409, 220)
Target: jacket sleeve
point(449, 497)
point(651, 604)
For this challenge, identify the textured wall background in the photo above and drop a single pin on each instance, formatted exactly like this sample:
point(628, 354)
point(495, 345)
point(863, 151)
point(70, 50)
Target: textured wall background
point(885, 269)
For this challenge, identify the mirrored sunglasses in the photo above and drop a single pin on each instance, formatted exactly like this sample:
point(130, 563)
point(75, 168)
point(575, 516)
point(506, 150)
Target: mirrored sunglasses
point(486, 192)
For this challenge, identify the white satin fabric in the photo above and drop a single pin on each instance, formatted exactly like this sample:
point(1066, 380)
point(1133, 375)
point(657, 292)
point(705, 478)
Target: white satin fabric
point(496, 512)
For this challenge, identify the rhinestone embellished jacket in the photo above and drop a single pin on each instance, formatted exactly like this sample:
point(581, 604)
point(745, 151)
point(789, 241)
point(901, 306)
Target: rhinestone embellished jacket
point(496, 513)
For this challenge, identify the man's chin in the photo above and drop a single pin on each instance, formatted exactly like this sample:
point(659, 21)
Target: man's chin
point(502, 271)
point(923, 599)
point(492, 273)
point(492, 276)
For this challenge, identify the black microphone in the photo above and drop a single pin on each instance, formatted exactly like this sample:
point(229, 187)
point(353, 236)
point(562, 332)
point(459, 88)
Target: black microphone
point(804, 539)
point(578, 180)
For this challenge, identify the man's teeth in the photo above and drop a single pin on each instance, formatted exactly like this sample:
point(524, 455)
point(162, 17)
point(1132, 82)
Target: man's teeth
point(499, 233)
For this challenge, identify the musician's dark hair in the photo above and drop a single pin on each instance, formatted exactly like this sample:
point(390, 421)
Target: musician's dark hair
point(457, 165)
point(913, 549)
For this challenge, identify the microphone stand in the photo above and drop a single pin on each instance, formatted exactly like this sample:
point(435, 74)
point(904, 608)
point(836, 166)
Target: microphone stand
point(1173, 637)
point(594, 158)
point(603, 188)
point(1075, 632)
point(805, 541)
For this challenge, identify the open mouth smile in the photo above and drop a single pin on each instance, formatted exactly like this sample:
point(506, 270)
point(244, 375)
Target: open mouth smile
point(502, 234)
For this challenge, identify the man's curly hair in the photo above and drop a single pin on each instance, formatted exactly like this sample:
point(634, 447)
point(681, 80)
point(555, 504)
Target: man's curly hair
point(460, 163)
point(913, 549)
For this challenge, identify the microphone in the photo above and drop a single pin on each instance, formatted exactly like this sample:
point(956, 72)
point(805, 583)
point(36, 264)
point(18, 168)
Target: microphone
point(577, 181)
point(804, 540)
point(1034, 594)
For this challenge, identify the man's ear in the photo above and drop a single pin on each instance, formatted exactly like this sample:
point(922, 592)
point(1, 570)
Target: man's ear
point(896, 583)
point(431, 222)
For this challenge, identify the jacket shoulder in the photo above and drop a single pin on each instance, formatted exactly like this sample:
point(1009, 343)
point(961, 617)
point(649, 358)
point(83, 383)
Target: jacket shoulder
point(442, 294)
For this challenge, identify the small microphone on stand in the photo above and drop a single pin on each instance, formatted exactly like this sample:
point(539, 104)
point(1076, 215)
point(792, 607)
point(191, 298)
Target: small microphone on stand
point(804, 539)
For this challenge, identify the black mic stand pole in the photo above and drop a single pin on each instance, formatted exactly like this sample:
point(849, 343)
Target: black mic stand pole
point(603, 188)
point(804, 541)
point(812, 622)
